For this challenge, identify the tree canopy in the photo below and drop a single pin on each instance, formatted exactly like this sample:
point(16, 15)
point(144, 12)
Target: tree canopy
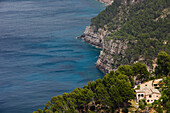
point(112, 92)
point(109, 93)
point(163, 64)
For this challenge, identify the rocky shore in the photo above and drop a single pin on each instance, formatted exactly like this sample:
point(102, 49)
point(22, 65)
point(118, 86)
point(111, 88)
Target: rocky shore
point(93, 38)
point(113, 50)
point(110, 48)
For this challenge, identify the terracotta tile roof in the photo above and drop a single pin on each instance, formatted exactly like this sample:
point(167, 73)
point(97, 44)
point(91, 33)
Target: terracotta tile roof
point(148, 92)
point(140, 91)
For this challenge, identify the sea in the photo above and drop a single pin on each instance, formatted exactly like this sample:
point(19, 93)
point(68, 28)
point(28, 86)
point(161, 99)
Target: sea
point(40, 56)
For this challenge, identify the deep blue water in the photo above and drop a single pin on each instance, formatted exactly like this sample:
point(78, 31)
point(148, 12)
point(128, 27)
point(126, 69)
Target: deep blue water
point(39, 54)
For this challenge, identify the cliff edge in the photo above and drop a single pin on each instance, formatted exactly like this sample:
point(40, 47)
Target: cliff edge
point(129, 31)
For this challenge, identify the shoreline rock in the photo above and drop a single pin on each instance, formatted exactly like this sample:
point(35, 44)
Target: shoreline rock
point(93, 38)
point(113, 50)
point(96, 39)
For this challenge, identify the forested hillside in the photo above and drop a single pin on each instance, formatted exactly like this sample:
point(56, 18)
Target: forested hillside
point(113, 92)
point(143, 24)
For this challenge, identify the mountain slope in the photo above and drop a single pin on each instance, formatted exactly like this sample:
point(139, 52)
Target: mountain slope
point(130, 31)
point(114, 92)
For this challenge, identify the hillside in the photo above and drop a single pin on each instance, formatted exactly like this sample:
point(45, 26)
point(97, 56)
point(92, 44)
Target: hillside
point(115, 92)
point(130, 31)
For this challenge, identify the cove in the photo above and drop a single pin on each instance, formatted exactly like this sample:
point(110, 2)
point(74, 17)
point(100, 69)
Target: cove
point(40, 56)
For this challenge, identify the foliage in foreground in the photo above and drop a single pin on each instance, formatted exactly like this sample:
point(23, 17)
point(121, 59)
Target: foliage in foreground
point(112, 92)
point(109, 93)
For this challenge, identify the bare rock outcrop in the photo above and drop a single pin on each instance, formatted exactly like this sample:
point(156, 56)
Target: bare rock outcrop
point(113, 50)
point(92, 37)
point(110, 55)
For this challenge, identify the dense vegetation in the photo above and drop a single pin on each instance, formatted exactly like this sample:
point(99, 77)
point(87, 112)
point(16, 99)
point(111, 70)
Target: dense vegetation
point(145, 25)
point(105, 94)
point(112, 92)
point(107, 15)
point(163, 62)
point(164, 102)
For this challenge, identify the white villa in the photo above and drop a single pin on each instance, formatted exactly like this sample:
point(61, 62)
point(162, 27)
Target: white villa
point(147, 91)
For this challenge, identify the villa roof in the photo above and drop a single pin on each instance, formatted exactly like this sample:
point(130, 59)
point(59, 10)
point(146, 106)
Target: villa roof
point(148, 91)
point(155, 91)
point(140, 91)
point(145, 88)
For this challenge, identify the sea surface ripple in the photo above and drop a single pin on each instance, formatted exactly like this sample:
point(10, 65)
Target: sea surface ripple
point(39, 54)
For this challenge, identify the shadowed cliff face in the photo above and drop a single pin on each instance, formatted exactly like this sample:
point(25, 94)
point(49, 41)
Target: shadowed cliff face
point(113, 51)
point(110, 48)
point(94, 38)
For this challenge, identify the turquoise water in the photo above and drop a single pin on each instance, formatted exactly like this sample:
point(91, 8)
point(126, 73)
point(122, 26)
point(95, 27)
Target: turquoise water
point(40, 56)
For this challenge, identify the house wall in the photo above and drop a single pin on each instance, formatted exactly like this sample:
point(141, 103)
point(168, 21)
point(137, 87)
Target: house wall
point(140, 97)
point(154, 96)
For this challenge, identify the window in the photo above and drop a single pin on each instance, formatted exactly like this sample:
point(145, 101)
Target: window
point(138, 95)
point(145, 84)
point(141, 95)
point(147, 100)
point(150, 96)
point(155, 85)
point(157, 96)
point(151, 100)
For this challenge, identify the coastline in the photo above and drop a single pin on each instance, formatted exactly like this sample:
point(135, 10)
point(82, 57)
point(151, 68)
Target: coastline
point(114, 50)
point(43, 51)
point(110, 48)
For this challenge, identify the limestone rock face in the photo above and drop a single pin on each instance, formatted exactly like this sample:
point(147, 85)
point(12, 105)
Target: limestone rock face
point(111, 49)
point(92, 37)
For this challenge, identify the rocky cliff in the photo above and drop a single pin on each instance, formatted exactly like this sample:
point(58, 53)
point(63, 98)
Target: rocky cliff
point(111, 49)
point(128, 31)
point(94, 38)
